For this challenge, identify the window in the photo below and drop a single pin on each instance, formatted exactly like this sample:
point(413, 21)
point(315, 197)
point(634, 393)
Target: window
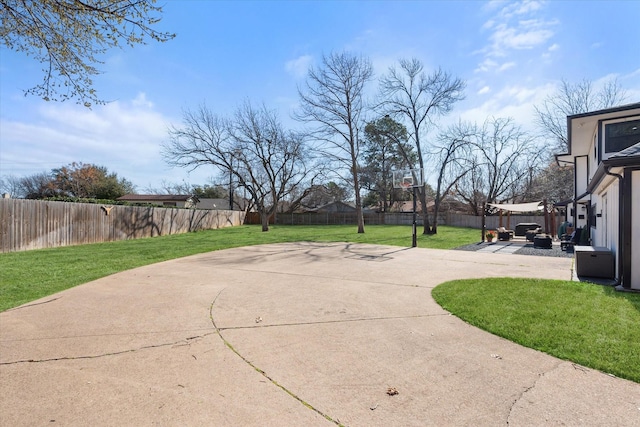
point(621, 135)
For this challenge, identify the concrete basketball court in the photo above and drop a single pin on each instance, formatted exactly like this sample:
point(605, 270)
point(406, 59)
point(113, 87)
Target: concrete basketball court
point(298, 334)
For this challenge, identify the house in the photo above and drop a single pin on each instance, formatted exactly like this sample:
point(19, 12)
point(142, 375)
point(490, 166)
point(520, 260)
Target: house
point(185, 201)
point(165, 200)
point(604, 148)
point(340, 207)
point(239, 203)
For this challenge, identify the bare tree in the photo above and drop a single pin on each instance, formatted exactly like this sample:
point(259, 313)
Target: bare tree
point(418, 98)
point(317, 195)
point(37, 186)
point(10, 184)
point(551, 183)
point(501, 157)
point(333, 101)
point(450, 159)
point(267, 161)
point(470, 188)
point(572, 99)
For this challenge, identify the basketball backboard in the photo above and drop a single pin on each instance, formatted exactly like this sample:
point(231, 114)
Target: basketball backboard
point(408, 178)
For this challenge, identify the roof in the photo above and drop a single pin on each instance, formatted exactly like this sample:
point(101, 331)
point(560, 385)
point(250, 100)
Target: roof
point(633, 151)
point(335, 206)
point(580, 128)
point(155, 197)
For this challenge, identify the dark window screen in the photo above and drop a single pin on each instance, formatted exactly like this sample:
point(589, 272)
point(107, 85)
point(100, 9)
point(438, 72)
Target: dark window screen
point(618, 136)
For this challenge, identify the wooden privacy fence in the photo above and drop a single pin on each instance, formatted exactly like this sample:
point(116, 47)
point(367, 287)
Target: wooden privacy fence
point(37, 224)
point(393, 218)
point(340, 218)
point(493, 222)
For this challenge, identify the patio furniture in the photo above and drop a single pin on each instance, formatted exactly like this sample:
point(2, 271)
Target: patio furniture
point(568, 241)
point(505, 235)
point(530, 234)
point(542, 241)
point(594, 262)
point(522, 228)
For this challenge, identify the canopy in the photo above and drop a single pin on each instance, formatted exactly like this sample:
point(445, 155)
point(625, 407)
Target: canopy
point(516, 207)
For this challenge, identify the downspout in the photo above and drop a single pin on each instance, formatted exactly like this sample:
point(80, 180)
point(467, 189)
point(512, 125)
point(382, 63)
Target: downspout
point(620, 222)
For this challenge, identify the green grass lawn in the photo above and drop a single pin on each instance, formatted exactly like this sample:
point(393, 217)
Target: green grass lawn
point(30, 275)
point(592, 325)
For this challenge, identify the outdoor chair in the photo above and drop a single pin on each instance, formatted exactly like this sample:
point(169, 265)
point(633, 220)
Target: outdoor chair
point(531, 234)
point(504, 234)
point(568, 241)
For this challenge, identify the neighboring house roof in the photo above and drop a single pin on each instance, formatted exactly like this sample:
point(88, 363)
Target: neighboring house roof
point(335, 207)
point(155, 198)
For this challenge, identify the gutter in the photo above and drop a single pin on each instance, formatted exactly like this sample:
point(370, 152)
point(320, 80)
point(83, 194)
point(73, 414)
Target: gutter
point(620, 222)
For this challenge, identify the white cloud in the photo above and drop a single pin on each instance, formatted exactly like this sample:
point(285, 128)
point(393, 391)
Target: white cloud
point(526, 35)
point(493, 66)
point(512, 101)
point(486, 65)
point(506, 66)
point(515, 26)
point(521, 8)
point(485, 89)
point(553, 47)
point(298, 67)
point(141, 101)
point(125, 137)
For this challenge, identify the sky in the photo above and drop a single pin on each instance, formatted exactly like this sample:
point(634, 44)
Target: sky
point(512, 55)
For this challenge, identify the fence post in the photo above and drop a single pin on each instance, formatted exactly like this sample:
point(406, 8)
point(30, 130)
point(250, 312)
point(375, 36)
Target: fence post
point(484, 218)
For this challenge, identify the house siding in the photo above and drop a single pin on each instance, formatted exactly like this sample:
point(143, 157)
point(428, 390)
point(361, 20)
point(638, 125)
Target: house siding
point(607, 184)
point(635, 231)
point(582, 174)
point(605, 232)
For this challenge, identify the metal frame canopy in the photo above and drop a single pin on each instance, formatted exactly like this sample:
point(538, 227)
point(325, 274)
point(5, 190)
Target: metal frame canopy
point(517, 207)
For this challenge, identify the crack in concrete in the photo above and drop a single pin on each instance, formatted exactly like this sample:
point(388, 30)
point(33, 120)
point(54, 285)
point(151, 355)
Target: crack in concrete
point(263, 373)
point(322, 322)
point(531, 387)
point(185, 341)
point(115, 334)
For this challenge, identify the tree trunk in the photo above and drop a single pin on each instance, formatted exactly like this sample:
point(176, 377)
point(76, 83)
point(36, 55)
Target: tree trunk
point(422, 194)
point(436, 213)
point(356, 186)
point(359, 214)
point(264, 219)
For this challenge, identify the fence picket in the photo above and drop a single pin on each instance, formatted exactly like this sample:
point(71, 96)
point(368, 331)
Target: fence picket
point(39, 224)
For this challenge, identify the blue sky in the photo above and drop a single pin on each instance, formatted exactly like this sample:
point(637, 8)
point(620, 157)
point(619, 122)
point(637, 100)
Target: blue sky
point(511, 54)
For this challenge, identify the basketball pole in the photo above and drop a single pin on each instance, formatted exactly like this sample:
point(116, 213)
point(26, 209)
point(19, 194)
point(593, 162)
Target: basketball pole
point(415, 235)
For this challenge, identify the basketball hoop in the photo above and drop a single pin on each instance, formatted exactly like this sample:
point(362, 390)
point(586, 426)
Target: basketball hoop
point(407, 178)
